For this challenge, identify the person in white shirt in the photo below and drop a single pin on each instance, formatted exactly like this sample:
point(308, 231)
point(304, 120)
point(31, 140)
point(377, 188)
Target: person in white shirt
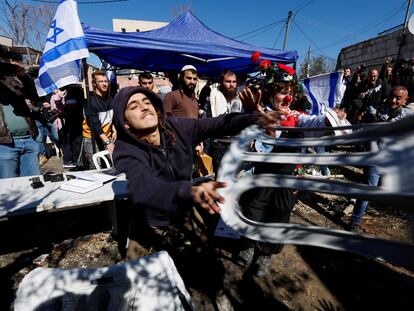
point(223, 99)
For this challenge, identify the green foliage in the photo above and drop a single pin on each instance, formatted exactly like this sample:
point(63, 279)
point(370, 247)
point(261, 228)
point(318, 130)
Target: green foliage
point(315, 66)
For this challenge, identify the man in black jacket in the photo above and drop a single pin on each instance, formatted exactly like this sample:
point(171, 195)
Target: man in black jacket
point(371, 92)
point(156, 154)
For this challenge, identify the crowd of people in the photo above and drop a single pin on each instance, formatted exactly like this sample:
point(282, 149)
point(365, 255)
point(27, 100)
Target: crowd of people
point(156, 139)
point(373, 95)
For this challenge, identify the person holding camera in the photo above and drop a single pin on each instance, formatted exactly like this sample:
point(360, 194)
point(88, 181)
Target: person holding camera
point(371, 92)
point(387, 73)
point(18, 147)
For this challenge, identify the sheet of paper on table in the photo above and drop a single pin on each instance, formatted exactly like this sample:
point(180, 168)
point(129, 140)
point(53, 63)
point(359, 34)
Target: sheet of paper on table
point(87, 181)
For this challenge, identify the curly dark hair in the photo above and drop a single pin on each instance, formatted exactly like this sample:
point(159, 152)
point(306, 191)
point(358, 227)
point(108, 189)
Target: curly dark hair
point(163, 127)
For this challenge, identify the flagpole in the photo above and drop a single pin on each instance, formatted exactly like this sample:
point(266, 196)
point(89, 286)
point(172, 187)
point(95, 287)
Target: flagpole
point(88, 102)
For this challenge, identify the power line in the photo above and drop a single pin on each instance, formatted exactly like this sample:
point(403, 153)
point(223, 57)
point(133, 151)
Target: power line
point(302, 7)
point(266, 27)
point(255, 35)
point(278, 37)
point(366, 28)
point(310, 40)
point(321, 25)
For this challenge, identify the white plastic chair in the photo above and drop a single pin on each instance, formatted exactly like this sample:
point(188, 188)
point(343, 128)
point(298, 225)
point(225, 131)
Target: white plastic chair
point(100, 156)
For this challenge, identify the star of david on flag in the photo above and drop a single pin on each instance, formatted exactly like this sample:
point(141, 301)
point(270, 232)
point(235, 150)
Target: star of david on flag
point(56, 31)
point(60, 64)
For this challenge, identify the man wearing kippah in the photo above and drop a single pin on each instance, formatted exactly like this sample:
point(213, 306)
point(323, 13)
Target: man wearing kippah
point(182, 102)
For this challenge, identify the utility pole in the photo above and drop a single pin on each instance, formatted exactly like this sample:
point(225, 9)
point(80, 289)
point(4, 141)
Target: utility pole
point(402, 40)
point(406, 13)
point(308, 63)
point(290, 14)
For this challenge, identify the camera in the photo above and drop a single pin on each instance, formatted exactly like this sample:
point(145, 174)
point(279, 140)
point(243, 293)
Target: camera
point(49, 115)
point(363, 69)
point(254, 84)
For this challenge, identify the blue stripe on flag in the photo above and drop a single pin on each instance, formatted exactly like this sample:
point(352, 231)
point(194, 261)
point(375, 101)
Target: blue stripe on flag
point(68, 46)
point(60, 64)
point(48, 79)
point(315, 105)
point(333, 79)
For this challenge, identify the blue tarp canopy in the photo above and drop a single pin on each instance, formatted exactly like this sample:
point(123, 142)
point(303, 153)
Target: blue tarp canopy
point(186, 40)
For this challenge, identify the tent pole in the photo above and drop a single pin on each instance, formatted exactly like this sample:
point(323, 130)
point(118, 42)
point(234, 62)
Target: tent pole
point(88, 101)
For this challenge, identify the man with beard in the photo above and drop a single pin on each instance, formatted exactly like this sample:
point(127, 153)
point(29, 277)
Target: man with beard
point(223, 99)
point(371, 92)
point(182, 102)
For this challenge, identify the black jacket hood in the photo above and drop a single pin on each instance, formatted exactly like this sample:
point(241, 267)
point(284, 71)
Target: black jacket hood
point(120, 102)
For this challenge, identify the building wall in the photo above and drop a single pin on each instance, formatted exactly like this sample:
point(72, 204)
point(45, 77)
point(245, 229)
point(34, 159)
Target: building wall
point(373, 52)
point(6, 41)
point(128, 25)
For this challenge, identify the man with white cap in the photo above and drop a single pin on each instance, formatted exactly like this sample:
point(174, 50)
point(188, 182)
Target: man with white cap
point(182, 102)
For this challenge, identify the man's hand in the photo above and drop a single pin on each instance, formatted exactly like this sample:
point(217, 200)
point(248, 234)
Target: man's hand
point(340, 113)
point(114, 135)
point(250, 101)
point(271, 119)
point(361, 95)
point(206, 196)
point(358, 116)
point(199, 149)
point(110, 148)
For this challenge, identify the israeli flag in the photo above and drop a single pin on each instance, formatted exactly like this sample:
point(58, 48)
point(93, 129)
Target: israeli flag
point(326, 90)
point(65, 46)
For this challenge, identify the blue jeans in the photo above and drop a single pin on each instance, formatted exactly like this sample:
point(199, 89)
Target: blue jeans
point(46, 129)
point(324, 168)
point(20, 158)
point(372, 176)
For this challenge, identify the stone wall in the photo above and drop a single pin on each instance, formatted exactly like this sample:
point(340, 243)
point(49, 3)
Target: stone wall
point(373, 52)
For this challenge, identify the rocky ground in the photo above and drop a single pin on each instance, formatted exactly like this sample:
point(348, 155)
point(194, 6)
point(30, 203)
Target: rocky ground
point(300, 278)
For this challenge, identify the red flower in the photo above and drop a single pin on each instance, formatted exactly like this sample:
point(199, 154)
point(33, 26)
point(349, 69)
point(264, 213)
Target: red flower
point(265, 64)
point(256, 57)
point(287, 69)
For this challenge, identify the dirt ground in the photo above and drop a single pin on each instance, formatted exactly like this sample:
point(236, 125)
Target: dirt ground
point(300, 278)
